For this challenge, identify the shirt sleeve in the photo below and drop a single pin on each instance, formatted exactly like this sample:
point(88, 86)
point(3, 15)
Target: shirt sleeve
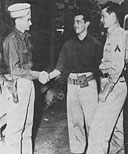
point(98, 56)
point(61, 64)
point(118, 58)
point(126, 55)
point(12, 59)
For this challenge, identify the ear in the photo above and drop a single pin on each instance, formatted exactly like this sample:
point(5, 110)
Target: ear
point(113, 14)
point(16, 20)
point(87, 23)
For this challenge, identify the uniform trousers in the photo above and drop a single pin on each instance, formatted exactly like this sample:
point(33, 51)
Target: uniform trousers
point(18, 132)
point(107, 123)
point(81, 107)
point(4, 98)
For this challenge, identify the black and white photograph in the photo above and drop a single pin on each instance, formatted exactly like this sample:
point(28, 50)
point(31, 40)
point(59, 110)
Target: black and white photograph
point(63, 76)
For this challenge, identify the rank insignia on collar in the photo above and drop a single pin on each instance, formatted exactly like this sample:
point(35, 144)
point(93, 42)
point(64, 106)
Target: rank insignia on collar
point(117, 49)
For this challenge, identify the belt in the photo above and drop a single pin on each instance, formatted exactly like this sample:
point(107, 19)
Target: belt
point(75, 81)
point(106, 75)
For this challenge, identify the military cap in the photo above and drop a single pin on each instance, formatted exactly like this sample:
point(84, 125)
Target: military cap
point(19, 10)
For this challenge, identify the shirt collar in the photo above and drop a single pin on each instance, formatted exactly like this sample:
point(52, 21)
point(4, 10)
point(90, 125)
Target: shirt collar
point(20, 34)
point(110, 30)
point(76, 38)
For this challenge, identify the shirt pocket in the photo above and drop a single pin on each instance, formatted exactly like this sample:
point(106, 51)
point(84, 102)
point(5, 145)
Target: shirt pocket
point(23, 56)
point(108, 52)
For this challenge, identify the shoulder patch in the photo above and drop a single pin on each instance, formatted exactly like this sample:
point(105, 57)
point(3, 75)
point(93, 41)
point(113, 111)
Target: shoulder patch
point(117, 49)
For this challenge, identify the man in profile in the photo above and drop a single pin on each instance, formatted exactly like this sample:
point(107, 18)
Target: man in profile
point(18, 58)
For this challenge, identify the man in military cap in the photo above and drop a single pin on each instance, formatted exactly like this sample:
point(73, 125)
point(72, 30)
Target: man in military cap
point(106, 130)
point(18, 57)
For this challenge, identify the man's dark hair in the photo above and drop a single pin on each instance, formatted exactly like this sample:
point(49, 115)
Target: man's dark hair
point(116, 8)
point(85, 12)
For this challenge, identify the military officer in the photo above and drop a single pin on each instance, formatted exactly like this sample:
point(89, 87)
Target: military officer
point(108, 117)
point(18, 57)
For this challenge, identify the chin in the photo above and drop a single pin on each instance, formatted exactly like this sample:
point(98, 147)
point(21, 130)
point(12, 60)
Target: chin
point(77, 32)
point(105, 26)
point(27, 29)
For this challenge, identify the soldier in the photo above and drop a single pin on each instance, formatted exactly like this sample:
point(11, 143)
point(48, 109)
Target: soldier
point(79, 59)
point(125, 26)
point(109, 117)
point(18, 58)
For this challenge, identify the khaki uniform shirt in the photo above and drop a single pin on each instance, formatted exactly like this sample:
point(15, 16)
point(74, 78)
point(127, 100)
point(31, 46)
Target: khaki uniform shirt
point(114, 54)
point(17, 54)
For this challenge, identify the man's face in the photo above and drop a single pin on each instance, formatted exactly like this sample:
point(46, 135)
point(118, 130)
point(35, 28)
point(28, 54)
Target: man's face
point(26, 22)
point(79, 24)
point(107, 19)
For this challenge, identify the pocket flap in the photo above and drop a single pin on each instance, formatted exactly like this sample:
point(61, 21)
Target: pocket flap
point(23, 51)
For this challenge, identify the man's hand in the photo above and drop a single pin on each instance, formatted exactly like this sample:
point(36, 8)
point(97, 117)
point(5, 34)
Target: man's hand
point(103, 83)
point(106, 91)
point(44, 77)
point(102, 97)
point(10, 84)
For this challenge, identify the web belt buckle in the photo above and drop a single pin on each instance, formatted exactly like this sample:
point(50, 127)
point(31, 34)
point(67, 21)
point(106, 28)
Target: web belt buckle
point(82, 80)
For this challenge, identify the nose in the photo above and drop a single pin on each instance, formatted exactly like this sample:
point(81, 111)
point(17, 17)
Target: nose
point(75, 24)
point(30, 22)
point(101, 19)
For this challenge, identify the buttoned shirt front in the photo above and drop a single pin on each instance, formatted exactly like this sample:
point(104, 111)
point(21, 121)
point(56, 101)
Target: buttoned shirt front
point(114, 54)
point(17, 53)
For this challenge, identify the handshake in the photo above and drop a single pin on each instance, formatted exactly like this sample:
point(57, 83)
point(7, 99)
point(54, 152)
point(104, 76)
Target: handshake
point(44, 77)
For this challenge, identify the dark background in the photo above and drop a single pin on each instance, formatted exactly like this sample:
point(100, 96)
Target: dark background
point(49, 16)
